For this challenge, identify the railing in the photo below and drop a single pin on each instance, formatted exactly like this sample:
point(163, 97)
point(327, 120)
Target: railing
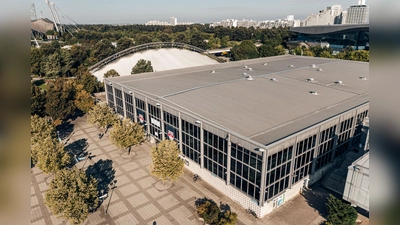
point(143, 47)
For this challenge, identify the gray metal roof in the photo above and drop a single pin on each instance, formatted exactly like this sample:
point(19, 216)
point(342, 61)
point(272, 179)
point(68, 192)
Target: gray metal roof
point(260, 109)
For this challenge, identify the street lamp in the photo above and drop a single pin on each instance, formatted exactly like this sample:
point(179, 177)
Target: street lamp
point(113, 186)
point(87, 157)
point(58, 135)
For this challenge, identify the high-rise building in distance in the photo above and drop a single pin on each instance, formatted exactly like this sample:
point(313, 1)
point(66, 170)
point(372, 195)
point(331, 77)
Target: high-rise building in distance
point(173, 21)
point(357, 14)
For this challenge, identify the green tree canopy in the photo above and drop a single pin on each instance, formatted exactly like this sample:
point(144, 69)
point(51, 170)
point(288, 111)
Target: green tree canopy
point(209, 211)
point(245, 50)
point(71, 195)
point(142, 66)
point(83, 100)
point(266, 50)
point(102, 116)
point(126, 133)
point(41, 128)
point(111, 73)
point(38, 100)
point(340, 213)
point(166, 165)
point(227, 218)
point(49, 155)
point(60, 96)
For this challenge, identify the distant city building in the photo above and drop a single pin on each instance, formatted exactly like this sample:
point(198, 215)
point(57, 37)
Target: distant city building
point(328, 16)
point(357, 14)
point(173, 21)
point(287, 22)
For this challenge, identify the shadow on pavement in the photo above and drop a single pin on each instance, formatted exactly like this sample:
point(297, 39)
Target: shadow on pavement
point(317, 199)
point(77, 149)
point(65, 130)
point(104, 172)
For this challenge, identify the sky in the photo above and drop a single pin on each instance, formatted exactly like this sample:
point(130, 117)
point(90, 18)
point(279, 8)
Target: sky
point(203, 11)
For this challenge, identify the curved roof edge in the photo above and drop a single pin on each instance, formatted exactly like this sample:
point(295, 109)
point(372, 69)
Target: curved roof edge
point(324, 29)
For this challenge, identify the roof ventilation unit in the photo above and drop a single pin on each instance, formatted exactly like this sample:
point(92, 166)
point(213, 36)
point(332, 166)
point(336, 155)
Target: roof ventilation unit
point(265, 64)
point(319, 69)
point(363, 78)
point(244, 67)
point(313, 92)
point(291, 66)
point(250, 69)
point(313, 66)
point(249, 77)
point(310, 80)
point(273, 80)
point(212, 71)
point(244, 74)
point(339, 82)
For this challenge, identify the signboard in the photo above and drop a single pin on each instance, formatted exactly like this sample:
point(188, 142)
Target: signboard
point(155, 122)
point(280, 200)
point(141, 118)
point(171, 135)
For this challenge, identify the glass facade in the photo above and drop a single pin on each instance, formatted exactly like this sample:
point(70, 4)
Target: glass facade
point(191, 141)
point(130, 109)
point(283, 168)
point(171, 126)
point(246, 170)
point(140, 111)
point(215, 154)
point(119, 102)
point(155, 121)
point(110, 95)
point(278, 172)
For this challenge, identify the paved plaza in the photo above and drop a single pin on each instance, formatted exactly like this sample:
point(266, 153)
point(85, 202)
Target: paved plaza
point(136, 200)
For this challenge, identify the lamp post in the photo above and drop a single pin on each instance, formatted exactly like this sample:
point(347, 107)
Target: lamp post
point(58, 135)
point(87, 157)
point(113, 186)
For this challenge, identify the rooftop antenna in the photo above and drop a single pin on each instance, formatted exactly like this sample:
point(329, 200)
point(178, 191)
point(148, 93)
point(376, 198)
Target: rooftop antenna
point(52, 15)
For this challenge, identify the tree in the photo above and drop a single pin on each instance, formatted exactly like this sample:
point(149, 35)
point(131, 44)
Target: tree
point(103, 49)
point(71, 195)
point(88, 80)
point(209, 211)
point(227, 218)
point(111, 73)
point(41, 128)
point(60, 96)
point(83, 100)
point(340, 213)
point(142, 66)
point(49, 155)
point(38, 100)
point(166, 165)
point(123, 43)
point(266, 50)
point(246, 50)
point(102, 116)
point(53, 65)
point(126, 133)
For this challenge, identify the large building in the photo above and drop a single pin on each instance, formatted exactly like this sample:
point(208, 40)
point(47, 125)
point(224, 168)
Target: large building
point(258, 130)
point(337, 36)
point(357, 14)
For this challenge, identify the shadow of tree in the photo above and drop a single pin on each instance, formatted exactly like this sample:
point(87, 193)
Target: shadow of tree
point(77, 113)
point(224, 207)
point(65, 130)
point(317, 199)
point(104, 172)
point(78, 149)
